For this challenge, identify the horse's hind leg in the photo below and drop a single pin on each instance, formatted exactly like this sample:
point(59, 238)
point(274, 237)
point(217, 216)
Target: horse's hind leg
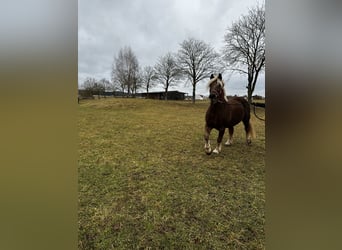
point(249, 132)
point(219, 141)
point(230, 138)
point(207, 146)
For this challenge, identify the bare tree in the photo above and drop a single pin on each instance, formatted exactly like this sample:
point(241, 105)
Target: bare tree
point(244, 48)
point(125, 69)
point(108, 86)
point(88, 85)
point(167, 72)
point(136, 82)
point(197, 60)
point(93, 87)
point(118, 74)
point(148, 78)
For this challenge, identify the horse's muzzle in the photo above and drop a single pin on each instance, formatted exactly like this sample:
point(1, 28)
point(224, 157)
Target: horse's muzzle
point(212, 96)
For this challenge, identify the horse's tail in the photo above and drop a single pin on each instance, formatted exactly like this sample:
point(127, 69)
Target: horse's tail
point(247, 108)
point(251, 130)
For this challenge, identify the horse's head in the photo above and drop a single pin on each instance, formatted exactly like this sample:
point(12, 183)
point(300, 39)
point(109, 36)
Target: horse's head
point(216, 89)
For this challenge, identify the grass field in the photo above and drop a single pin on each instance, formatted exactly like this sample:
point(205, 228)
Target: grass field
point(145, 181)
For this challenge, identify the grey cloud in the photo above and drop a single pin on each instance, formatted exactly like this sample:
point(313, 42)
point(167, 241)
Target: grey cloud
point(152, 28)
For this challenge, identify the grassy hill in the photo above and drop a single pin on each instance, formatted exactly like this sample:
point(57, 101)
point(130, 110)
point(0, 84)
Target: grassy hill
point(145, 180)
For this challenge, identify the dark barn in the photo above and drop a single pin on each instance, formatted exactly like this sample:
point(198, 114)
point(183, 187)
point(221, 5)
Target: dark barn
point(171, 95)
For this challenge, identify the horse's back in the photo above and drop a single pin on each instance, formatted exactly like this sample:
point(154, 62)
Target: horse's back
point(239, 99)
point(245, 105)
point(235, 112)
point(242, 101)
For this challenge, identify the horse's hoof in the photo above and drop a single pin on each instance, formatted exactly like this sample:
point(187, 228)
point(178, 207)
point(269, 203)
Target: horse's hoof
point(249, 142)
point(216, 151)
point(208, 153)
point(227, 144)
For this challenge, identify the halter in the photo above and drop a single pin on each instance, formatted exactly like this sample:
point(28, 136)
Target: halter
point(218, 91)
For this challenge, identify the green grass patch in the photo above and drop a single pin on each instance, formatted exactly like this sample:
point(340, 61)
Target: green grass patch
point(146, 182)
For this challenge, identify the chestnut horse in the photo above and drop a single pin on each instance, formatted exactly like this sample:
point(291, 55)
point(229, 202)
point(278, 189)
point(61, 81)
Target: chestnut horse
point(223, 113)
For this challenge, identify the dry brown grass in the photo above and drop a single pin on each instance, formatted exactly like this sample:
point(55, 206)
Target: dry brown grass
point(145, 180)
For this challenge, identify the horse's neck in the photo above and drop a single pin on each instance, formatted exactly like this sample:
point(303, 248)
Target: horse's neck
point(220, 101)
point(217, 105)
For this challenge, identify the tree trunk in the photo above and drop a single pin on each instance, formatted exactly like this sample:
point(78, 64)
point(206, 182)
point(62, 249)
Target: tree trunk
point(193, 92)
point(166, 88)
point(165, 97)
point(249, 93)
point(129, 89)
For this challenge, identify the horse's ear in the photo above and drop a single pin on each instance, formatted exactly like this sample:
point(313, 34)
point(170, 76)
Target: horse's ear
point(212, 76)
point(220, 76)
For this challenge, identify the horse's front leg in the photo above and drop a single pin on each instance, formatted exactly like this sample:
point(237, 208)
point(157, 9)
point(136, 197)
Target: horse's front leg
point(219, 141)
point(207, 146)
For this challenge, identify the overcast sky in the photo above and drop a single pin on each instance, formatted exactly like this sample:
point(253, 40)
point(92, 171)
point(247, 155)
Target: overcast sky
point(152, 28)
